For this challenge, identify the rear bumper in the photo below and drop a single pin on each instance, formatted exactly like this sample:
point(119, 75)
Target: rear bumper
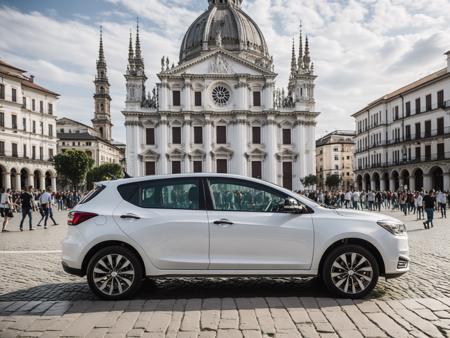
point(72, 271)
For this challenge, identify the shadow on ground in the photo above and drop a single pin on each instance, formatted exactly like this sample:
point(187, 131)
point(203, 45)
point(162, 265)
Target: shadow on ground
point(187, 288)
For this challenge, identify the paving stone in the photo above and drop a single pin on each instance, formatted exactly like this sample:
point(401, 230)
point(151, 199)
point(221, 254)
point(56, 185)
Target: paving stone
point(388, 325)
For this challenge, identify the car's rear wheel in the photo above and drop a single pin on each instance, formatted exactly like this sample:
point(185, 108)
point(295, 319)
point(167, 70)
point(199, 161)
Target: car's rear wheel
point(350, 271)
point(115, 272)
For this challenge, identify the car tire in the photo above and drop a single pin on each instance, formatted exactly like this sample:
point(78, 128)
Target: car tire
point(115, 273)
point(350, 271)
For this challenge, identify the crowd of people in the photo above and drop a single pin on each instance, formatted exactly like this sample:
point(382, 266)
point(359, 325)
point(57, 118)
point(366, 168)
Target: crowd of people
point(417, 203)
point(28, 201)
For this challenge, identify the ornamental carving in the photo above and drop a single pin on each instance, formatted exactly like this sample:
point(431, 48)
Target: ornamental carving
point(220, 66)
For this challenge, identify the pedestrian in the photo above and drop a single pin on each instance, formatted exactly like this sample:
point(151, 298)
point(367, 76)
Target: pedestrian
point(441, 199)
point(6, 205)
point(370, 199)
point(27, 205)
point(46, 203)
point(429, 201)
point(419, 206)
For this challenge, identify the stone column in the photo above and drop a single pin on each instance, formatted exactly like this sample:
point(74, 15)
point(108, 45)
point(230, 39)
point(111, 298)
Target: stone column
point(163, 145)
point(267, 95)
point(30, 180)
point(391, 184)
point(240, 145)
point(53, 183)
point(243, 94)
point(412, 183)
point(18, 181)
point(297, 166)
point(363, 184)
point(270, 138)
point(187, 142)
point(382, 185)
point(447, 180)
point(42, 182)
point(373, 185)
point(208, 141)
point(427, 182)
point(187, 89)
point(7, 180)
point(401, 183)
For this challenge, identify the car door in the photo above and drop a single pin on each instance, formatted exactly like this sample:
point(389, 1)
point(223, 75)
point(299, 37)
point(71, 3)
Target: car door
point(168, 219)
point(249, 230)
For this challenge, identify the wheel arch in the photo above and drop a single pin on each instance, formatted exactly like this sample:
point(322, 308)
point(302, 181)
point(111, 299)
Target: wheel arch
point(356, 241)
point(106, 244)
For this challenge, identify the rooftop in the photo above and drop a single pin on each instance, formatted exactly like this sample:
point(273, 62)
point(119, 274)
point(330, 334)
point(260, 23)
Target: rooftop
point(409, 87)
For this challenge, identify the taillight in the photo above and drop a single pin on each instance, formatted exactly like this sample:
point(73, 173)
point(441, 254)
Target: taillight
point(77, 217)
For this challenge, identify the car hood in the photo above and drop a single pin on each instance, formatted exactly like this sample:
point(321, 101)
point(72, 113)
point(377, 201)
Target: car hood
point(365, 215)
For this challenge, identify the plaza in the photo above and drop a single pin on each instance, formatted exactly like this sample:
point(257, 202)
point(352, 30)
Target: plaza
point(37, 299)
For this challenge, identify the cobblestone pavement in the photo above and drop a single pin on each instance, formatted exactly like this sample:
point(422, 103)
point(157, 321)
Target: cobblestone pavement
point(38, 299)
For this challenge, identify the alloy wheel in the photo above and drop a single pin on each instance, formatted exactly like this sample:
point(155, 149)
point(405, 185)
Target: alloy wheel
point(113, 274)
point(351, 273)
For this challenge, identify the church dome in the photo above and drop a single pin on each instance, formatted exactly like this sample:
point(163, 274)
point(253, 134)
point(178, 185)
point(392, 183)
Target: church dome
point(225, 25)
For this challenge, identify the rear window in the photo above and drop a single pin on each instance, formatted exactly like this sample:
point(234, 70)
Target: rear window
point(92, 194)
point(164, 194)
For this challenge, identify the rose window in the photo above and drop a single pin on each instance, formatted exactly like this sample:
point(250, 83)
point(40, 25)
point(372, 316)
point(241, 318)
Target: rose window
point(221, 95)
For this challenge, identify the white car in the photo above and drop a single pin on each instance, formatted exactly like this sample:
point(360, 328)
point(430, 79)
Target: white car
point(225, 225)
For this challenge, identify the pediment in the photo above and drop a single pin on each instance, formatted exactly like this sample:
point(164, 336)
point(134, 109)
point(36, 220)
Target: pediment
point(219, 62)
point(286, 154)
point(223, 150)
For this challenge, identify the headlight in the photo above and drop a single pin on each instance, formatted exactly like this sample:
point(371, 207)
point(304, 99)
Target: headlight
point(395, 228)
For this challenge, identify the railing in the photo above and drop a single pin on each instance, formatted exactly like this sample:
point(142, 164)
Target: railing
point(412, 137)
point(422, 159)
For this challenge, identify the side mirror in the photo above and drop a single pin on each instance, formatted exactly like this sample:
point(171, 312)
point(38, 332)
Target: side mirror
point(292, 206)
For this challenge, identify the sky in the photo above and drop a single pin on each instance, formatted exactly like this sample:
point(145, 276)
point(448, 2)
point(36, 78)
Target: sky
point(361, 49)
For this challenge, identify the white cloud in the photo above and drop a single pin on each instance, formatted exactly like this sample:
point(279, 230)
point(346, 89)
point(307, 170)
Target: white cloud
point(362, 49)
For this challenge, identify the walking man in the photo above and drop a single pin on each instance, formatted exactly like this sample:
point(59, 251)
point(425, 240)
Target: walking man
point(27, 205)
point(442, 203)
point(428, 201)
point(46, 205)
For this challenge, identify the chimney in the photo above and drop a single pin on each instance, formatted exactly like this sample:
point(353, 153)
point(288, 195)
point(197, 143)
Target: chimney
point(448, 61)
point(32, 78)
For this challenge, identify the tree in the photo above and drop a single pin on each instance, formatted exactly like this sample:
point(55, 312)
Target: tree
point(333, 181)
point(103, 172)
point(309, 180)
point(72, 166)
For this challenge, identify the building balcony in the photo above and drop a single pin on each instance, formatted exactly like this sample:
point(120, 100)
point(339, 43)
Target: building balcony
point(426, 158)
point(412, 138)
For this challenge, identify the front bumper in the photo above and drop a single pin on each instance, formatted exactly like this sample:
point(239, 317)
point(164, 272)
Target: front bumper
point(72, 271)
point(396, 257)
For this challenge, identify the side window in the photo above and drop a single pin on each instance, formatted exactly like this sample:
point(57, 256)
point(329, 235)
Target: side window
point(236, 195)
point(167, 194)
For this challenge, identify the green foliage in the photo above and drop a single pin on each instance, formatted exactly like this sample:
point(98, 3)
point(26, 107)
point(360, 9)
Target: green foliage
point(309, 180)
point(72, 166)
point(104, 172)
point(333, 181)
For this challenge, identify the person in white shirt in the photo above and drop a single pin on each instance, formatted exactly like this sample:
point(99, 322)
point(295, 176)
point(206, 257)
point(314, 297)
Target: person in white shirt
point(441, 198)
point(355, 197)
point(348, 198)
point(419, 206)
point(46, 201)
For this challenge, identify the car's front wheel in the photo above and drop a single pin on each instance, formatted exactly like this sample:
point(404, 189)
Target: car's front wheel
point(114, 272)
point(350, 271)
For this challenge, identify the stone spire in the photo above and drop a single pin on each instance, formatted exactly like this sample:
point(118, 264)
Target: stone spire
point(101, 54)
point(306, 57)
point(101, 61)
point(130, 66)
point(300, 48)
point(139, 61)
point(293, 59)
point(102, 116)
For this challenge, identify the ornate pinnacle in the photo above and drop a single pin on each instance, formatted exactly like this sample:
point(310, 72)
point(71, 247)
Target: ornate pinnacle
point(306, 57)
point(137, 53)
point(130, 50)
point(300, 47)
point(101, 54)
point(293, 59)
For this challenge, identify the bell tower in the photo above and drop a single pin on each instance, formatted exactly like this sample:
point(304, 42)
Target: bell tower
point(102, 119)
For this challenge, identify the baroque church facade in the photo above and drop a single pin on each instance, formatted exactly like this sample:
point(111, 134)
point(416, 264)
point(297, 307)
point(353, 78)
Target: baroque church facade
point(218, 110)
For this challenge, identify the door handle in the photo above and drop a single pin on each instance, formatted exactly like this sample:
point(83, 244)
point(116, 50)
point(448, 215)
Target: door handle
point(223, 221)
point(129, 216)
